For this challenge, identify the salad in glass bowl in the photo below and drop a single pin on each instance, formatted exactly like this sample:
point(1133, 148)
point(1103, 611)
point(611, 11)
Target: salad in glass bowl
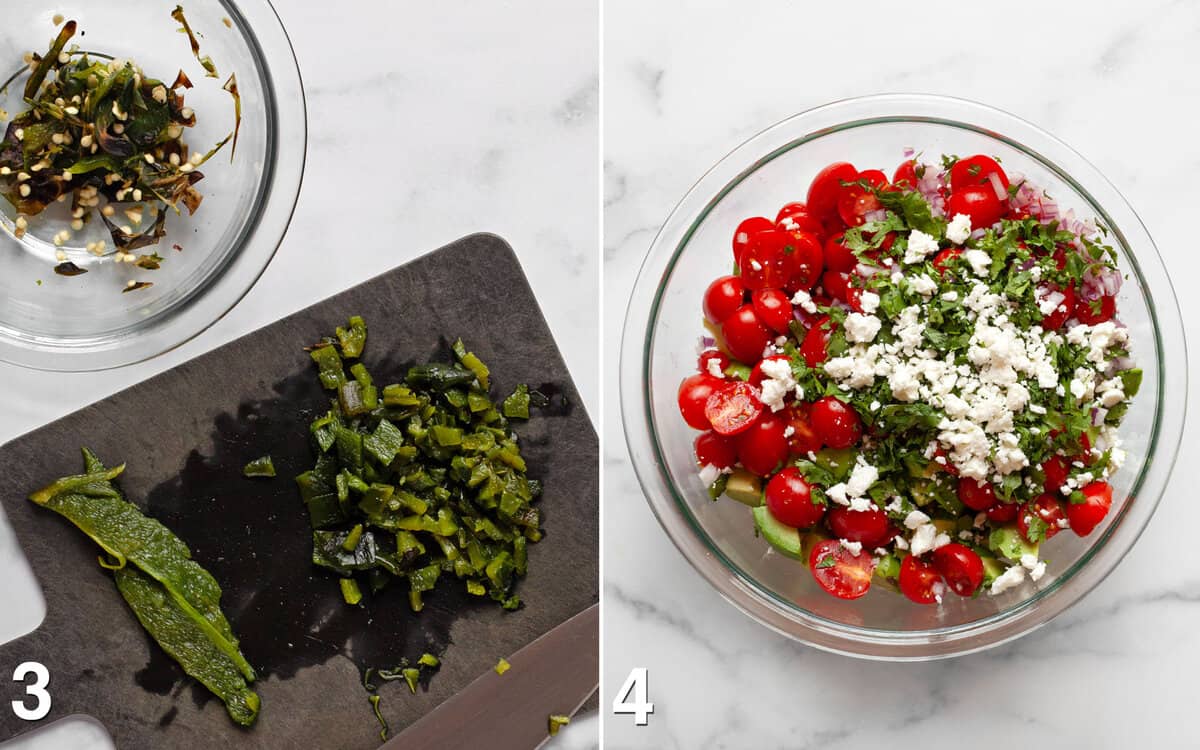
point(915, 382)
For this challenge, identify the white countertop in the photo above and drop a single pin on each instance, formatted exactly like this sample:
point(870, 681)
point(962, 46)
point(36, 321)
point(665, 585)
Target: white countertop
point(488, 113)
point(683, 86)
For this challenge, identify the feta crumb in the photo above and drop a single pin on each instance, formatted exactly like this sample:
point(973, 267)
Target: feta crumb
point(714, 368)
point(920, 245)
point(709, 474)
point(1007, 580)
point(900, 542)
point(1037, 571)
point(959, 229)
point(861, 478)
point(861, 328)
point(869, 302)
point(922, 285)
point(854, 548)
point(804, 301)
point(778, 382)
point(924, 539)
point(979, 261)
point(1029, 561)
point(915, 519)
point(837, 493)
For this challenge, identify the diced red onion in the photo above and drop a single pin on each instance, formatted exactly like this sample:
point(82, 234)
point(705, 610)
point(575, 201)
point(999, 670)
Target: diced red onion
point(878, 214)
point(998, 186)
point(1098, 415)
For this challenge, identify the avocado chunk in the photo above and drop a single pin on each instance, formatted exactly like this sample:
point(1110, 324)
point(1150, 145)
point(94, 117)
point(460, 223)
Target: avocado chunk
point(745, 487)
point(945, 526)
point(837, 461)
point(782, 537)
point(1007, 542)
point(992, 569)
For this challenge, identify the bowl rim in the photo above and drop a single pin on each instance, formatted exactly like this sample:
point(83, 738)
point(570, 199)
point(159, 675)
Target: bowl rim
point(738, 586)
point(226, 285)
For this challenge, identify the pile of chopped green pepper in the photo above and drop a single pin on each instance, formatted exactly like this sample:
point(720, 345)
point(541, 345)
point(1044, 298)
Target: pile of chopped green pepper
point(420, 480)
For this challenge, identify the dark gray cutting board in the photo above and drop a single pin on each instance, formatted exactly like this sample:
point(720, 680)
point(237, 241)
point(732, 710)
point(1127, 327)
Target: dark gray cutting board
point(187, 433)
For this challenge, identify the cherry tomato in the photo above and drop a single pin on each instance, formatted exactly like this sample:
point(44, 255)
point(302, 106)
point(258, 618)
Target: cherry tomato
point(815, 347)
point(803, 260)
point(732, 407)
point(845, 575)
point(712, 355)
point(693, 396)
point(837, 284)
point(1092, 312)
point(746, 230)
point(876, 178)
point(804, 438)
point(1085, 516)
point(976, 495)
point(919, 580)
point(773, 308)
point(745, 334)
point(960, 566)
point(763, 447)
point(765, 263)
point(1045, 507)
point(1002, 512)
point(1055, 319)
point(836, 422)
point(714, 449)
point(941, 259)
point(855, 203)
point(838, 257)
point(800, 218)
point(979, 202)
point(722, 297)
point(1056, 470)
point(826, 188)
point(789, 498)
point(975, 170)
point(756, 373)
point(867, 526)
point(906, 175)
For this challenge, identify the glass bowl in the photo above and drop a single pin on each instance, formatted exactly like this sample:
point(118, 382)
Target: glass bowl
point(211, 258)
point(664, 322)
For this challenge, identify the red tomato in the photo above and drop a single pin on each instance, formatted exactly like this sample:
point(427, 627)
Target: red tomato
point(1056, 470)
point(733, 407)
point(842, 574)
point(826, 188)
point(1085, 516)
point(876, 178)
point(1002, 512)
point(716, 450)
point(960, 566)
point(855, 203)
point(756, 373)
point(976, 495)
point(836, 422)
point(693, 396)
point(765, 263)
point(1045, 507)
point(836, 283)
point(789, 498)
point(815, 347)
point(1059, 314)
point(906, 175)
point(804, 439)
point(800, 218)
point(745, 334)
point(838, 257)
point(941, 259)
point(918, 580)
point(867, 526)
point(974, 170)
point(1092, 312)
point(722, 297)
point(803, 260)
point(763, 447)
point(746, 230)
point(710, 355)
point(773, 308)
point(979, 202)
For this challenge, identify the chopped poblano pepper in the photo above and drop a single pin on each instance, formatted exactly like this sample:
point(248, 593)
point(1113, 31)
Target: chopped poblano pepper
point(260, 467)
point(502, 666)
point(350, 591)
point(516, 406)
point(557, 722)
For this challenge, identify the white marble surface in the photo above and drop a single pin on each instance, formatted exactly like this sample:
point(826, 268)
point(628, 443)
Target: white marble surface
point(686, 82)
point(486, 116)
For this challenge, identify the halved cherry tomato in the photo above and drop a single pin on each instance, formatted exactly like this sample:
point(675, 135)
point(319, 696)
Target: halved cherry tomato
point(960, 566)
point(1045, 508)
point(756, 372)
point(976, 495)
point(855, 203)
point(1056, 317)
point(944, 257)
point(845, 575)
point(906, 175)
point(836, 283)
point(745, 334)
point(803, 260)
point(714, 449)
point(693, 397)
point(765, 263)
point(826, 188)
point(838, 257)
point(710, 355)
point(763, 446)
point(746, 230)
point(733, 407)
point(975, 170)
point(815, 347)
point(800, 218)
point(1096, 311)
point(1086, 516)
point(836, 422)
point(722, 297)
point(804, 438)
point(919, 580)
point(1056, 470)
point(870, 527)
point(773, 308)
point(876, 178)
point(1002, 512)
point(979, 202)
point(789, 498)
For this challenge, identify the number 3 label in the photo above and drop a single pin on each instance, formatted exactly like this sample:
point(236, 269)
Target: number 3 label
point(37, 691)
point(635, 685)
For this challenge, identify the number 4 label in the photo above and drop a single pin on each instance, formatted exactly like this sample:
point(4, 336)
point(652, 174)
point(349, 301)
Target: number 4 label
point(37, 691)
point(640, 707)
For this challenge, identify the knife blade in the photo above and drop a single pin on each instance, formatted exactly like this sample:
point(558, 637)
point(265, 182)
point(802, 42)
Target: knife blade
point(554, 674)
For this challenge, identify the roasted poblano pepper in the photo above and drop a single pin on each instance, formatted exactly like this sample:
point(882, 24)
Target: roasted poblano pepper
point(420, 480)
point(175, 599)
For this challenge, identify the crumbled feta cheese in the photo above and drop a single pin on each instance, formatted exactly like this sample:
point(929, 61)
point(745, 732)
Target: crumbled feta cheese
point(837, 493)
point(1037, 571)
point(900, 543)
point(1007, 580)
point(714, 368)
point(861, 328)
point(861, 478)
point(920, 245)
point(1029, 561)
point(938, 588)
point(861, 504)
point(951, 296)
point(922, 285)
point(959, 229)
point(709, 474)
point(789, 431)
point(778, 382)
point(869, 302)
point(915, 519)
point(804, 301)
point(923, 539)
point(966, 535)
point(854, 548)
point(941, 540)
point(979, 261)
